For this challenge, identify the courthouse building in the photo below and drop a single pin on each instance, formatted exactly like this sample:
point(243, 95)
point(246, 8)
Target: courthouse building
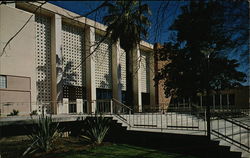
point(49, 66)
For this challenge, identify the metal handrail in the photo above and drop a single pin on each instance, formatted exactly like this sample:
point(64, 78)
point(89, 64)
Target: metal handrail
point(124, 118)
point(235, 122)
point(229, 137)
point(100, 100)
point(117, 101)
point(239, 144)
point(240, 123)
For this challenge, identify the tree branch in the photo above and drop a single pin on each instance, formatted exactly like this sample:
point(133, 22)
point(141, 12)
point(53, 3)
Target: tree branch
point(8, 42)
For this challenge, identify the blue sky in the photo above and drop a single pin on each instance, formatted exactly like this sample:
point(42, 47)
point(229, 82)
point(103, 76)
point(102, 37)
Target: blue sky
point(156, 34)
point(83, 7)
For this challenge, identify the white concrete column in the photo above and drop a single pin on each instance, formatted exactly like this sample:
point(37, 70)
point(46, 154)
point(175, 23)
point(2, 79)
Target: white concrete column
point(90, 68)
point(79, 106)
point(189, 102)
point(64, 109)
point(213, 101)
point(137, 79)
point(201, 100)
point(151, 79)
point(228, 105)
point(220, 101)
point(56, 62)
point(116, 72)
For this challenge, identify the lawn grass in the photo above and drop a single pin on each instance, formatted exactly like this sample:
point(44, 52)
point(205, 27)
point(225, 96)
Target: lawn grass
point(13, 147)
point(73, 147)
point(121, 151)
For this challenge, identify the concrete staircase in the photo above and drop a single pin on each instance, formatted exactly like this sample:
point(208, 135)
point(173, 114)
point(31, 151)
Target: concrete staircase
point(233, 132)
point(233, 148)
point(186, 124)
point(176, 143)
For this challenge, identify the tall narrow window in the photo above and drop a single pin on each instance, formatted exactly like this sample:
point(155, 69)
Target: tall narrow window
point(3, 81)
point(231, 99)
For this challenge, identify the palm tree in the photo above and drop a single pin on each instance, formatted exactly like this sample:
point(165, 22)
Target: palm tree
point(127, 21)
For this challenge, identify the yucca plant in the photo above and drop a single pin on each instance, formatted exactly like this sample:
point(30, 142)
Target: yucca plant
point(42, 135)
point(96, 129)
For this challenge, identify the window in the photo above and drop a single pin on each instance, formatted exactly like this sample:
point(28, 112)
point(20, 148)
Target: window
point(231, 99)
point(103, 93)
point(217, 100)
point(3, 81)
point(145, 98)
point(224, 99)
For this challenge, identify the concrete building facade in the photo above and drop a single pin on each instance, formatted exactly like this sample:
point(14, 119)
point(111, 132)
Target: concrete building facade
point(50, 65)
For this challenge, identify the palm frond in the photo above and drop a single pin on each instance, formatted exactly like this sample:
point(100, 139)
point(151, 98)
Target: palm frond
point(127, 21)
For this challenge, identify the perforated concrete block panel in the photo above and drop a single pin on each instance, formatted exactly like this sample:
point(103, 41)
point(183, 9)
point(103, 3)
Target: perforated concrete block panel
point(145, 72)
point(73, 54)
point(103, 61)
point(123, 69)
point(43, 49)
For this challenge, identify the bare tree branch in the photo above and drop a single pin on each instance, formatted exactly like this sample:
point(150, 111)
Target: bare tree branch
point(8, 42)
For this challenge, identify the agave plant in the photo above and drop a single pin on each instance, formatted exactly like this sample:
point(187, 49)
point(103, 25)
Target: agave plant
point(42, 135)
point(97, 128)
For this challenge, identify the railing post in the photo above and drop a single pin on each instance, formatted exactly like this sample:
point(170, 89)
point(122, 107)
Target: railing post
point(94, 108)
point(205, 118)
point(88, 106)
point(129, 118)
point(161, 121)
point(111, 106)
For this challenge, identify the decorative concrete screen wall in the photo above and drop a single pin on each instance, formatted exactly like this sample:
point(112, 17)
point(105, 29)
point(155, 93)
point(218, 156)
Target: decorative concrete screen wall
point(43, 47)
point(145, 72)
point(123, 69)
point(72, 51)
point(103, 61)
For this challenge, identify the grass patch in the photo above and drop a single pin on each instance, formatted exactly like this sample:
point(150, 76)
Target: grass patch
point(11, 147)
point(73, 147)
point(123, 151)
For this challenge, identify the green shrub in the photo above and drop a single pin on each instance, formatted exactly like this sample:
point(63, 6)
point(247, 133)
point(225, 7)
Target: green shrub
point(34, 112)
point(14, 113)
point(96, 129)
point(42, 135)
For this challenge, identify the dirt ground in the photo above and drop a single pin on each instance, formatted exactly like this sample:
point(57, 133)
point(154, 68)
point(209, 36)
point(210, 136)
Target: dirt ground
point(13, 147)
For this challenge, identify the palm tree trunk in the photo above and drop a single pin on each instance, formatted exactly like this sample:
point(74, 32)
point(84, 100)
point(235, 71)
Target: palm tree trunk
point(129, 79)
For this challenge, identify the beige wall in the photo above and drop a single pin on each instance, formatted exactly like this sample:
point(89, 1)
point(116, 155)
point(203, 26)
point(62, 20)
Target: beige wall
point(16, 95)
point(18, 100)
point(19, 57)
point(18, 83)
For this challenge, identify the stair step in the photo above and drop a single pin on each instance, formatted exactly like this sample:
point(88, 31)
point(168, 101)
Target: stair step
point(216, 146)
